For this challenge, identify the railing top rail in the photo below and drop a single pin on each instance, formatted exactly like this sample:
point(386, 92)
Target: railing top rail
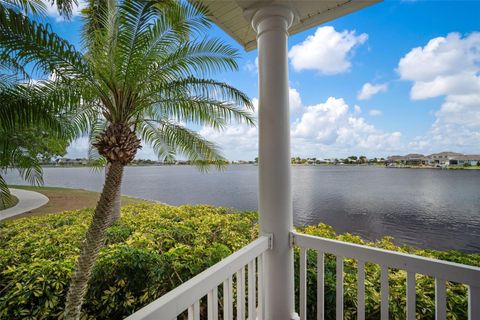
point(448, 271)
point(179, 299)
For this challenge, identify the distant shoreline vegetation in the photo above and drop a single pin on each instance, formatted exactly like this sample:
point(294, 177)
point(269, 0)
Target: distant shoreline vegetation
point(442, 160)
point(187, 163)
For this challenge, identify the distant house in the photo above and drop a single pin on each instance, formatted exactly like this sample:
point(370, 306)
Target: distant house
point(73, 162)
point(395, 159)
point(414, 159)
point(443, 158)
point(461, 160)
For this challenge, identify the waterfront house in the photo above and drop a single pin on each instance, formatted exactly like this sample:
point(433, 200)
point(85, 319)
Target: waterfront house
point(72, 162)
point(442, 158)
point(263, 271)
point(414, 159)
point(463, 160)
point(395, 160)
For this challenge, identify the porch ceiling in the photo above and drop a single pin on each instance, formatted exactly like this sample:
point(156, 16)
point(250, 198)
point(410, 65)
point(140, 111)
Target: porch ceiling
point(229, 15)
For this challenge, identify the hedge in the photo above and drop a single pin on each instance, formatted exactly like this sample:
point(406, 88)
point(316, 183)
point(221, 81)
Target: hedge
point(154, 248)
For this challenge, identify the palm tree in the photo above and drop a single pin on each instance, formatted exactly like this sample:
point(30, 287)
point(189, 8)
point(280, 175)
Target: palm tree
point(140, 78)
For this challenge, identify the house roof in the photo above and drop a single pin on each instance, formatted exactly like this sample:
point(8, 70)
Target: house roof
point(445, 153)
point(396, 158)
point(414, 156)
point(468, 157)
point(229, 15)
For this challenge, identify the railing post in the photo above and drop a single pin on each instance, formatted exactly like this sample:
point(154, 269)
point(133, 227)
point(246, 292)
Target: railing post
point(271, 22)
point(361, 290)
point(411, 296)
point(440, 299)
point(473, 302)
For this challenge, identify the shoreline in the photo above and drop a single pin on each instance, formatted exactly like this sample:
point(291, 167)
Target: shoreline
point(293, 165)
point(66, 199)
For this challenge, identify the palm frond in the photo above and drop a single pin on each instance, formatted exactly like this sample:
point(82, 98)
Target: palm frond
point(25, 6)
point(198, 58)
point(33, 43)
point(168, 138)
point(13, 155)
point(5, 196)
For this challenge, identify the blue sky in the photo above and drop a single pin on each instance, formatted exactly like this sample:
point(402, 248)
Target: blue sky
point(418, 63)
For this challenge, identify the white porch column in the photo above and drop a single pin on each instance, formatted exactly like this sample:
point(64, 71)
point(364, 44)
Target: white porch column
point(275, 200)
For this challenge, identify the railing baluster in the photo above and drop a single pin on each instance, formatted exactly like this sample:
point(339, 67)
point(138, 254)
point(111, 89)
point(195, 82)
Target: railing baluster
point(194, 311)
point(190, 312)
point(411, 296)
point(339, 288)
point(227, 299)
point(440, 300)
point(320, 286)
point(473, 302)
point(360, 290)
point(212, 304)
point(215, 303)
point(384, 292)
point(303, 283)
point(241, 294)
point(261, 286)
point(251, 290)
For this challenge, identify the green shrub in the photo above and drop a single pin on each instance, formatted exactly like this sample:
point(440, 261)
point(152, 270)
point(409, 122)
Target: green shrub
point(154, 248)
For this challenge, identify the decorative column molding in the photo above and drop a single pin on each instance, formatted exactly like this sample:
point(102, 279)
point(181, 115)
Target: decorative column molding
point(271, 22)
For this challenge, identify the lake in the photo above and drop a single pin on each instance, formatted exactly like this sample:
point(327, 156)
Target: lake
point(428, 208)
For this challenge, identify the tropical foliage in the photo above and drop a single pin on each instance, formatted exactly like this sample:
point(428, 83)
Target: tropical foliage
point(154, 248)
point(31, 128)
point(31, 125)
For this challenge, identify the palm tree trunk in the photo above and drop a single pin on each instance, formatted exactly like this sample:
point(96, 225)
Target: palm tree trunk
point(93, 242)
point(117, 204)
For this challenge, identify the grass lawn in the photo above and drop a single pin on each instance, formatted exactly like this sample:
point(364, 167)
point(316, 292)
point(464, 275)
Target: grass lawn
point(456, 167)
point(62, 199)
point(11, 204)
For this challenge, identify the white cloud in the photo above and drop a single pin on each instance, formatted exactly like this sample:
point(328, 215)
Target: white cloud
point(295, 100)
point(331, 128)
point(446, 65)
point(369, 90)
point(450, 67)
point(326, 51)
point(251, 66)
point(375, 112)
point(78, 148)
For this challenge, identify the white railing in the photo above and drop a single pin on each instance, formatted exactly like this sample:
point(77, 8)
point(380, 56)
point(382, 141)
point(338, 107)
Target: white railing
point(442, 271)
point(249, 299)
